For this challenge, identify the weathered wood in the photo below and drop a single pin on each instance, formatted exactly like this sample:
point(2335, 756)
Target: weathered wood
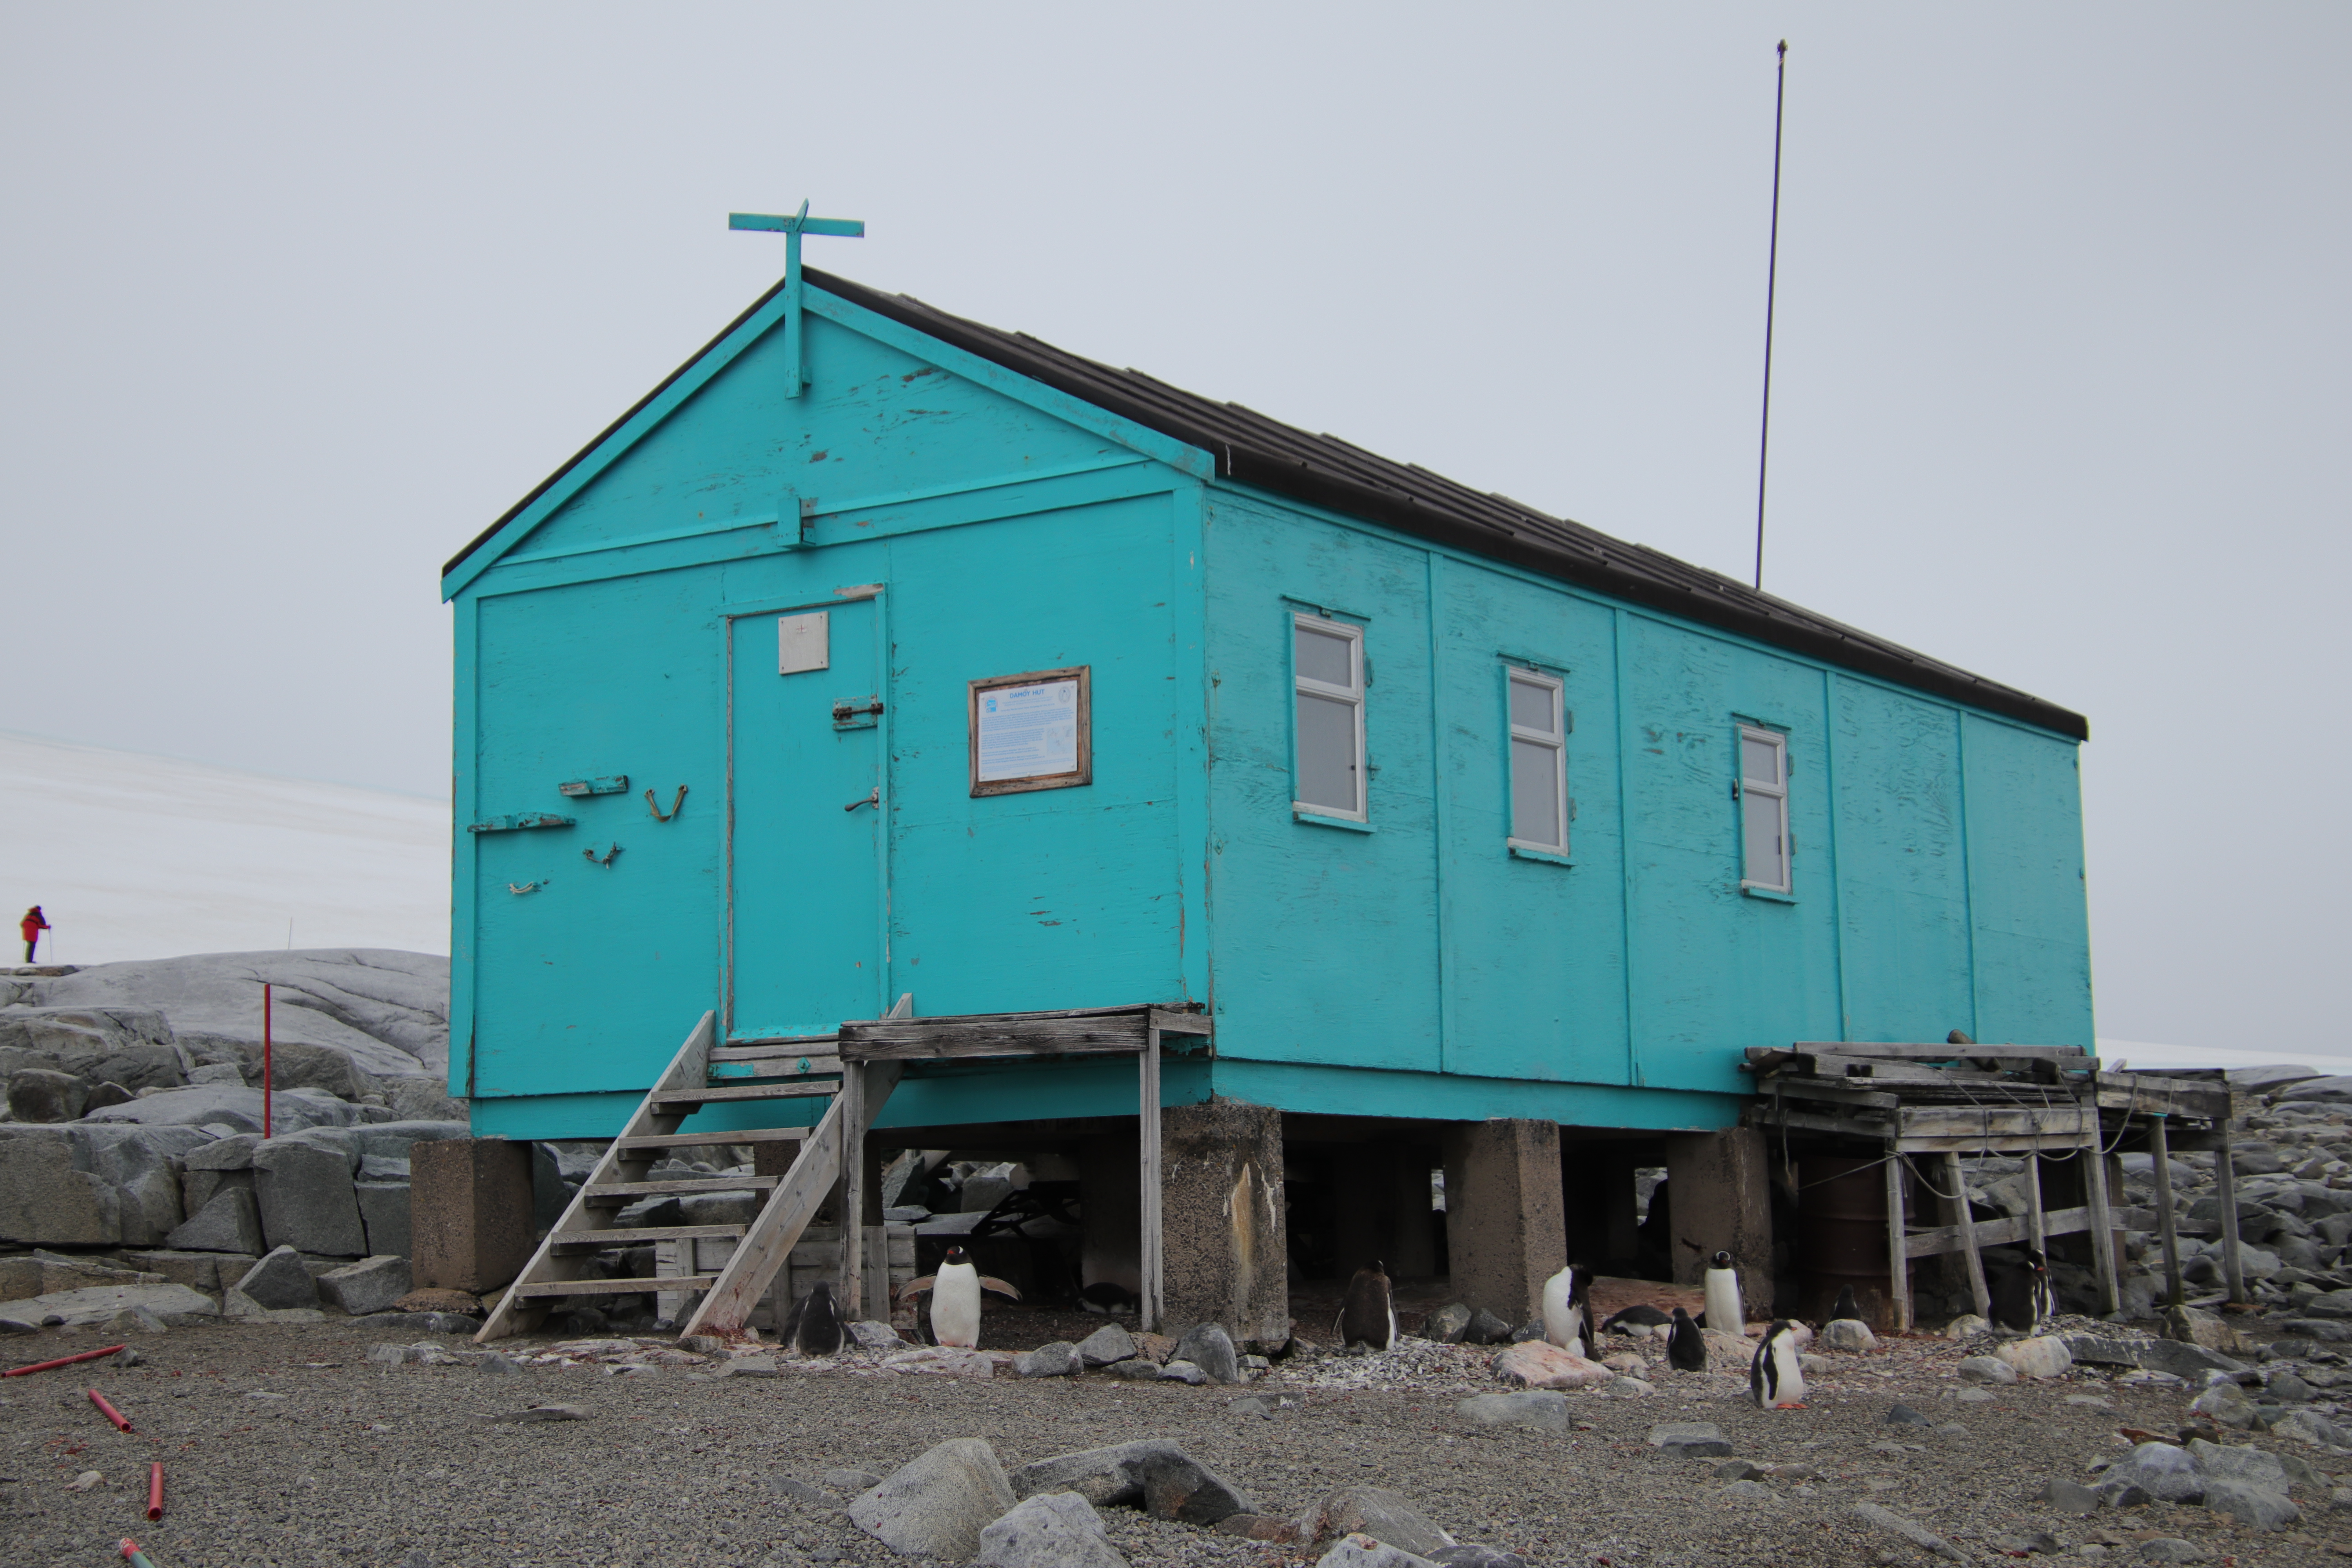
point(1898, 1259)
point(624, 1189)
point(646, 1126)
point(2225, 1182)
point(714, 1140)
point(786, 1214)
point(2037, 1225)
point(644, 1285)
point(1152, 1294)
point(788, 1067)
point(2070, 1121)
point(1169, 1021)
point(779, 1048)
point(929, 1039)
point(637, 1236)
point(1946, 1239)
point(1928, 1052)
point(855, 1120)
point(2103, 1225)
point(2166, 1226)
point(787, 1090)
point(1835, 1090)
point(1967, 1229)
point(1878, 1071)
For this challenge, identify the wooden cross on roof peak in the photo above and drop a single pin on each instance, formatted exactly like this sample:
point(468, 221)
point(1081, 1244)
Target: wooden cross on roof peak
point(792, 228)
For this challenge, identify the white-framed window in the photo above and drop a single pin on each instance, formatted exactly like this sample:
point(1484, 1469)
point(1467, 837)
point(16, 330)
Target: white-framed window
point(1327, 667)
point(1538, 761)
point(1764, 810)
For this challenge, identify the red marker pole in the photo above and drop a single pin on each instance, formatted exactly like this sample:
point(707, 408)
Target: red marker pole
point(268, 1081)
point(109, 1411)
point(155, 1492)
point(61, 1360)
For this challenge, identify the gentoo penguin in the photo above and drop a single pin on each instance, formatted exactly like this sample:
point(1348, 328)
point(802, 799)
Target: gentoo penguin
point(813, 1327)
point(2022, 1300)
point(955, 1298)
point(1106, 1296)
point(1846, 1305)
point(1640, 1312)
point(1567, 1316)
point(1776, 1378)
point(1368, 1315)
point(1724, 1309)
point(1685, 1345)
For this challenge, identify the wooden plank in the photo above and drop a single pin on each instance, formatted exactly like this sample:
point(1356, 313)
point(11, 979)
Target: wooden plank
point(1967, 1229)
point(2070, 1121)
point(754, 1091)
point(620, 1162)
point(1169, 1022)
point(2167, 1227)
point(1932, 1052)
point(1764, 1114)
point(786, 1067)
point(1996, 1233)
point(2037, 1226)
point(929, 1039)
point(2225, 1182)
point(786, 1214)
point(634, 1236)
point(855, 1118)
point(767, 1047)
point(1150, 1305)
point(640, 1286)
point(1898, 1260)
point(621, 1190)
point(715, 1140)
point(1851, 1067)
point(1837, 1092)
point(1981, 1144)
point(2103, 1225)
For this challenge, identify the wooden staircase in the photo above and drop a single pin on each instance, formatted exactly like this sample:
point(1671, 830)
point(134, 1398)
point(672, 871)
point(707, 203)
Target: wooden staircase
point(778, 1070)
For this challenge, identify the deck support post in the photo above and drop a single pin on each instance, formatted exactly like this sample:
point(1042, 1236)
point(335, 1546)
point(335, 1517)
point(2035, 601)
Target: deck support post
point(1977, 1292)
point(1898, 1259)
point(2103, 1224)
point(1505, 1233)
point(2160, 1144)
point(2037, 1237)
point(2225, 1182)
point(848, 1298)
point(1152, 1291)
point(1719, 1186)
point(1224, 1254)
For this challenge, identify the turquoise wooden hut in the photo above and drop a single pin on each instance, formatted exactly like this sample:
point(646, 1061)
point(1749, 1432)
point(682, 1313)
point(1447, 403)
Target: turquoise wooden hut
point(878, 659)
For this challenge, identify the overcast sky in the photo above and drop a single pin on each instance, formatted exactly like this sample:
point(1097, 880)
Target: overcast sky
point(297, 298)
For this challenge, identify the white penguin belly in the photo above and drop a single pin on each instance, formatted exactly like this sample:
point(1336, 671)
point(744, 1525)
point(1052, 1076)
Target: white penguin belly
point(1723, 1309)
point(1790, 1370)
point(955, 1308)
point(1561, 1322)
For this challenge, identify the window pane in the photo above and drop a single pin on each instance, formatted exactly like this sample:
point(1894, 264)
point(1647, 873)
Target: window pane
point(1535, 793)
point(1760, 761)
point(1326, 753)
point(1324, 657)
point(1531, 706)
point(1760, 818)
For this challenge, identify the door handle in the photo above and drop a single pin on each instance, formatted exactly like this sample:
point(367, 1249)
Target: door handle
point(873, 799)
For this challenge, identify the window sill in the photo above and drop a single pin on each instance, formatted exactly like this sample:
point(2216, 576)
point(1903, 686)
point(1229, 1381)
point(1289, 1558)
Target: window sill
point(1548, 856)
point(1774, 895)
point(1316, 819)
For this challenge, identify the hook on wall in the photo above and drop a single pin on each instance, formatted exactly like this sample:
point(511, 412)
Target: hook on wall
point(604, 860)
point(528, 887)
point(654, 806)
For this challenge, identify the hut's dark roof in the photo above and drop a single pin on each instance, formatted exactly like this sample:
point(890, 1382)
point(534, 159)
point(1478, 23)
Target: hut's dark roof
point(1252, 449)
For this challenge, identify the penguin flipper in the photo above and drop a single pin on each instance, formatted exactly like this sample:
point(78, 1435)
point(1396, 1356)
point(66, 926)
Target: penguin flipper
point(914, 1288)
point(990, 1282)
point(792, 1324)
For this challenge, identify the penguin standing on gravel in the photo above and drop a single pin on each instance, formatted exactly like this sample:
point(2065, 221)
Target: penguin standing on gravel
point(1724, 1309)
point(813, 1327)
point(2022, 1300)
point(1847, 1307)
point(1685, 1345)
point(955, 1298)
point(1367, 1314)
point(1776, 1378)
point(1567, 1312)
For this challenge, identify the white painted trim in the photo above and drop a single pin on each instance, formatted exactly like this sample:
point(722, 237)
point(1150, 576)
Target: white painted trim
point(1351, 694)
point(1556, 740)
point(1777, 792)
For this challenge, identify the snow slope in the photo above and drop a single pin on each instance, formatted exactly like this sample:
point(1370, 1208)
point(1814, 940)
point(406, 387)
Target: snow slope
point(135, 857)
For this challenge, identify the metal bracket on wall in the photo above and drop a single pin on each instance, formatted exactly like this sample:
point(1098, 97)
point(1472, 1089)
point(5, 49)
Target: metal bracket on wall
point(849, 713)
point(613, 785)
point(653, 804)
point(606, 859)
point(516, 822)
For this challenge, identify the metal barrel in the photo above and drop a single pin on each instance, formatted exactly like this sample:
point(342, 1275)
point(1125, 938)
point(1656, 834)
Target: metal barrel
point(1842, 1236)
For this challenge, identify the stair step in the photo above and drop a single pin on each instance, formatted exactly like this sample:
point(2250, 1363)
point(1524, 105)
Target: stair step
point(685, 1184)
point(714, 1140)
point(754, 1091)
point(637, 1287)
point(633, 1236)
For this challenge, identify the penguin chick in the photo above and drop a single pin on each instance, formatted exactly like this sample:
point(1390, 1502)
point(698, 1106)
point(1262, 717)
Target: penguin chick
point(1776, 1378)
point(813, 1327)
point(1724, 1308)
point(1368, 1315)
point(1685, 1345)
point(1846, 1305)
point(955, 1298)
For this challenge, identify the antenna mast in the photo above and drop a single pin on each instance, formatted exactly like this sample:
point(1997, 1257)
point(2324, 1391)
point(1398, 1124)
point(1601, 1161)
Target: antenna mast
point(1772, 280)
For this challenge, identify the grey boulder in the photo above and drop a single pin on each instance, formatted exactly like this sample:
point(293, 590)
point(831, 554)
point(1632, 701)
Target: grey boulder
point(279, 1283)
point(223, 1104)
point(45, 1094)
point(172, 1304)
point(1384, 1515)
point(1106, 1345)
point(1363, 1552)
point(370, 1285)
point(1690, 1439)
point(2164, 1472)
point(2254, 1507)
point(306, 1198)
point(1210, 1348)
point(1447, 1324)
point(1051, 1529)
point(1986, 1368)
point(937, 1504)
point(1060, 1359)
point(227, 1224)
point(1154, 1473)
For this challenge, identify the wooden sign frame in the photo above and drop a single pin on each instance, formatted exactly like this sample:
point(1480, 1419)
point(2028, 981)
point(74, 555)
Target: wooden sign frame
point(1084, 774)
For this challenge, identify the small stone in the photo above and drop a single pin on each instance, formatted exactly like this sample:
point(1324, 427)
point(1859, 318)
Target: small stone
point(1986, 1368)
point(1967, 1326)
point(750, 1366)
point(1137, 1370)
point(801, 1491)
point(1816, 1366)
point(2161, 1470)
point(851, 1480)
point(1178, 1369)
point(537, 1414)
point(1541, 1409)
point(702, 1344)
point(1895, 1524)
point(1749, 1491)
point(2254, 1507)
point(1363, 1552)
point(1486, 1329)
point(1536, 1364)
point(1903, 1415)
point(1155, 1473)
point(390, 1355)
point(135, 1320)
point(1260, 1527)
point(1690, 1439)
point(1470, 1554)
point(937, 1504)
point(1210, 1348)
point(2045, 1357)
point(279, 1283)
point(498, 1365)
point(2227, 1404)
point(1384, 1515)
point(876, 1337)
point(2090, 1401)
point(1848, 1335)
point(1264, 1405)
point(1106, 1346)
point(1631, 1388)
point(2172, 1549)
point(370, 1285)
point(1735, 1470)
point(1973, 1395)
point(1447, 1324)
point(2019, 1545)
point(1060, 1359)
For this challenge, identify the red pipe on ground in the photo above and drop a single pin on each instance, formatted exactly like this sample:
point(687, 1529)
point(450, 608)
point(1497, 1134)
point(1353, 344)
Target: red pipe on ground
point(155, 1492)
point(61, 1360)
point(109, 1411)
point(132, 1555)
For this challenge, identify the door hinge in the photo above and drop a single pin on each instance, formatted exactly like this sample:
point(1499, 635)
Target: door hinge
point(851, 714)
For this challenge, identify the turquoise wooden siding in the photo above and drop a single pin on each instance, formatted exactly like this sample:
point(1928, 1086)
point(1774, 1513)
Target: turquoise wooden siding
point(963, 523)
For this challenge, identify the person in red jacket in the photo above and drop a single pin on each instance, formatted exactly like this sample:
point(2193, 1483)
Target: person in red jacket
point(32, 925)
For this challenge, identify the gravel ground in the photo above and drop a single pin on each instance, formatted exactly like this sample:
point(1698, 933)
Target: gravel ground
point(283, 1446)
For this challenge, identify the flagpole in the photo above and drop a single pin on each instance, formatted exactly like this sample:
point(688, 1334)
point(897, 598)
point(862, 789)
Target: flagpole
point(1772, 282)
